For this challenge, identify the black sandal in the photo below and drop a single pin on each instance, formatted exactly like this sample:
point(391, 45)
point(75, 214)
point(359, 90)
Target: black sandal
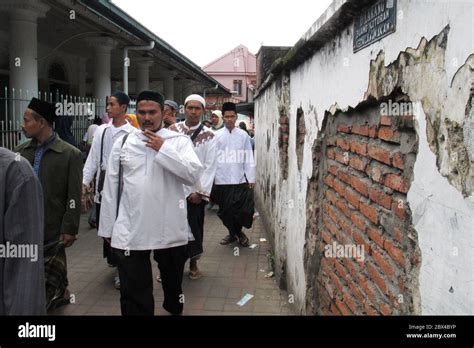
point(228, 239)
point(243, 240)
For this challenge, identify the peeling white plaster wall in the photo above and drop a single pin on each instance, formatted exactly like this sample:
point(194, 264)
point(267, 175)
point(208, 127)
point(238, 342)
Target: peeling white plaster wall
point(339, 77)
point(444, 220)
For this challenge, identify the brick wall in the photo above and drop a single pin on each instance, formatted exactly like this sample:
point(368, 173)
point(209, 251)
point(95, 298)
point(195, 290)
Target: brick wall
point(361, 181)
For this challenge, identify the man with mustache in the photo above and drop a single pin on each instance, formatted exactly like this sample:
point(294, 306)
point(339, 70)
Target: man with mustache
point(144, 210)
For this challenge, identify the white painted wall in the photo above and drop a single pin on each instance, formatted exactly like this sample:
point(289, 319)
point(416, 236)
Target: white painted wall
point(339, 77)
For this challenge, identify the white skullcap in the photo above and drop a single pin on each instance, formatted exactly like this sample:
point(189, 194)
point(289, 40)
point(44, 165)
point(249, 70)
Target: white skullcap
point(195, 97)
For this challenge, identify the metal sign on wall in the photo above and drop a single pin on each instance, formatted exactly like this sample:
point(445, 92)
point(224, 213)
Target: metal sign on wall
point(374, 23)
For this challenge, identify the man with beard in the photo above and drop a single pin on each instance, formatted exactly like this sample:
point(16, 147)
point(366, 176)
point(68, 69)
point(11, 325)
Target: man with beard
point(143, 208)
point(59, 168)
point(197, 196)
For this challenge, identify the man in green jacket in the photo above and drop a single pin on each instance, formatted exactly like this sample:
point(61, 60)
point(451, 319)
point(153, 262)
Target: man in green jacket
point(59, 168)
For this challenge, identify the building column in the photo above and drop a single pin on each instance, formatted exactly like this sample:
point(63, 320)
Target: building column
point(102, 76)
point(169, 85)
point(23, 46)
point(143, 75)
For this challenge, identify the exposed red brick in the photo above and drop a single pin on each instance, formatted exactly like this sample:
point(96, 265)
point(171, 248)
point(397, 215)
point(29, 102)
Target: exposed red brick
point(335, 281)
point(343, 144)
point(342, 157)
point(352, 197)
point(361, 130)
point(346, 227)
point(333, 214)
point(380, 198)
point(367, 288)
point(339, 187)
point(398, 234)
point(349, 301)
point(358, 220)
point(389, 134)
point(358, 163)
point(343, 207)
point(284, 138)
point(360, 185)
point(340, 269)
point(344, 176)
point(385, 309)
point(333, 309)
point(379, 153)
point(398, 161)
point(331, 226)
point(344, 128)
point(370, 310)
point(329, 180)
point(386, 120)
point(331, 197)
point(376, 278)
point(399, 208)
point(358, 147)
point(396, 182)
point(395, 253)
point(375, 173)
point(382, 263)
point(357, 236)
point(342, 307)
point(284, 128)
point(331, 154)
point(355, 291)
point(326, 236)
point(375, 236)
point(373, 132)
point(369, 212)
point(333, 170)
point(350, 265)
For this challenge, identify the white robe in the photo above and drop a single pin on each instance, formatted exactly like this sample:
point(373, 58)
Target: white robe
point(235, 160)
point(92, 165)
point(152, 213)
point(205, 148)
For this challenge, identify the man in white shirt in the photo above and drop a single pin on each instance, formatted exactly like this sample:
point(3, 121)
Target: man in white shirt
point(235, 178)
point(144, 210)
point(105, 136)
point(197, 196)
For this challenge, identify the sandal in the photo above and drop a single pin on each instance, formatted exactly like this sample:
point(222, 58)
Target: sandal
point(194, 275)
point(243, 240)
point(229, 239)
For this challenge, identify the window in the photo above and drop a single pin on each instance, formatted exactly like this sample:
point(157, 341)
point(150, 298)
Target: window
point(238, 87)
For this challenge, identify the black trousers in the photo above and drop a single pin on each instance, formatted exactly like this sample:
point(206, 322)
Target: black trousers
point(236, 206)
point(106, 248)
point(136, 280)
point(196, 222)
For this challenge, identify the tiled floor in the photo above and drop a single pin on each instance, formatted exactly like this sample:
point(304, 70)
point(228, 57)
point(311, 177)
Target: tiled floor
point(227, 277)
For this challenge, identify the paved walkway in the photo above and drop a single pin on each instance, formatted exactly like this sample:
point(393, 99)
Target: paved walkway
point(227, 278)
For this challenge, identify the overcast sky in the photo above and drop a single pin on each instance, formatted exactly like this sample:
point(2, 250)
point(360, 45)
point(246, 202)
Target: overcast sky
point(205, 30)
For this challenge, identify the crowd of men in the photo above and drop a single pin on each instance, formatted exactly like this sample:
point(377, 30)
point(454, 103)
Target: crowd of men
point(152, 179)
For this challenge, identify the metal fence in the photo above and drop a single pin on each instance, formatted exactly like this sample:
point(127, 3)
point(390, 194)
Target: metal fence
point(13, 103)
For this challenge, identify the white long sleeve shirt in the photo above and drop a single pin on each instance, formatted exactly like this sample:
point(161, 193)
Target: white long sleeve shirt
point(91, 167)
point(152, 213)
point(206, 150)
point(235, 159)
